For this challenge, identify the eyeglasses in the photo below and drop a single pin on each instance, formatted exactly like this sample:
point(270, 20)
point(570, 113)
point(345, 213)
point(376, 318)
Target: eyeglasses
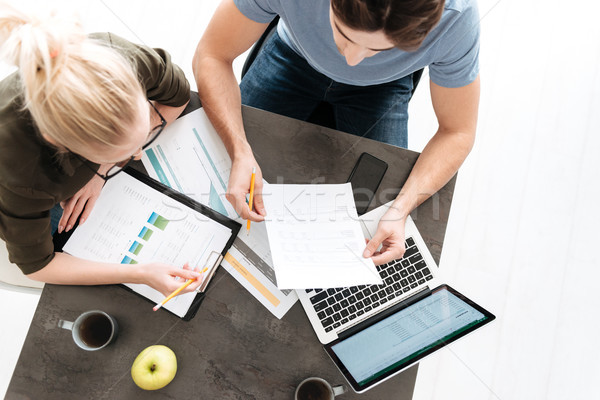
point(119, 166)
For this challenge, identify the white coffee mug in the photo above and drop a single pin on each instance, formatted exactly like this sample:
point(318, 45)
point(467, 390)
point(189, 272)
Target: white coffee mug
point(317, 389)
point(92, 330)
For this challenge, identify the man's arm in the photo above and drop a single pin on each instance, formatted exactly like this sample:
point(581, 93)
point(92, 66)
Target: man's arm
point(456, 110)
point(228, 35)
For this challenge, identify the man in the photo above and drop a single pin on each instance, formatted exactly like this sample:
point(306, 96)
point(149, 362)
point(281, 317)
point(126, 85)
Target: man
point(359, 55)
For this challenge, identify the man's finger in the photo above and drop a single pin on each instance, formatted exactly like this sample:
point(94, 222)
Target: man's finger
point(383, 258)
point(374, 244)
point(241, 207)
point(255, 217)
point(259, 205)
point(238, 201)
point(387, 254)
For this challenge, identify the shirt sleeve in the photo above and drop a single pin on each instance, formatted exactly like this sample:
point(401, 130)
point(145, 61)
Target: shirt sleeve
point(261, 11)
point(25, 227)
point(456, 61)
point(163, 80)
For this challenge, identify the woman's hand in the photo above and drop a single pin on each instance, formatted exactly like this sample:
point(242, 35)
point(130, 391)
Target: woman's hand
point(390, 235)
point(239, 187)
point(163, 277)
point(81, 203)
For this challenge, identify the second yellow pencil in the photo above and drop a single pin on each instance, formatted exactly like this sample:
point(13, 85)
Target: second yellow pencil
point(251, 198)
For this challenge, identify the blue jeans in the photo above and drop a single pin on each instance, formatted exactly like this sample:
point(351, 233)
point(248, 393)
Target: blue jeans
point(282, 82)
point(55, 215)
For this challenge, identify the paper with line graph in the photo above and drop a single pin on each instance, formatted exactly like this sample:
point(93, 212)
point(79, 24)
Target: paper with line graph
point(316, 238)
point(188, 158)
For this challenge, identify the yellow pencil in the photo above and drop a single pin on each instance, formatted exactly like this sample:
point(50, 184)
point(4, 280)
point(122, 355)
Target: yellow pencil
point(252, 178)
point(177, 291)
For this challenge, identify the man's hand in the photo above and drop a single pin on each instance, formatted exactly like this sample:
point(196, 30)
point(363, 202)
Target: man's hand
point(239, 187)
point(390, 235)
point(81, 203)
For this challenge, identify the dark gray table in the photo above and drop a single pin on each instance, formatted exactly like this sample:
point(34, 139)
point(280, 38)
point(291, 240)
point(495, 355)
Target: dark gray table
point(234, 348)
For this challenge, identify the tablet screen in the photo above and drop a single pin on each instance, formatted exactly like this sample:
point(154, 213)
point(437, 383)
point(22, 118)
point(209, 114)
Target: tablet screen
point(406, 336)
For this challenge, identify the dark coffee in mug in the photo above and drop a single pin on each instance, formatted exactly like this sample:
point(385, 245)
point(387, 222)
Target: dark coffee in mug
point(314, 390)
point(95, 330)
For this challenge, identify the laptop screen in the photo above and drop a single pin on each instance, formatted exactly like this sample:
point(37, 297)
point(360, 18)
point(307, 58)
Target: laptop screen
point(407, 335)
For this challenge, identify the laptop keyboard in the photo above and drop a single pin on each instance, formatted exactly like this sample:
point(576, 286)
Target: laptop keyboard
point(339, 306)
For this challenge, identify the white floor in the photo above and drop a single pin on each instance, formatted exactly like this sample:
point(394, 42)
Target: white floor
point(521, 237)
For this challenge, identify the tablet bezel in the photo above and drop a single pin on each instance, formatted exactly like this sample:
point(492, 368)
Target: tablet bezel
point(489, 317)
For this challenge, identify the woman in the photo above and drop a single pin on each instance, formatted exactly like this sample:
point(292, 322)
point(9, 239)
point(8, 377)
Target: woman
point(78, 106)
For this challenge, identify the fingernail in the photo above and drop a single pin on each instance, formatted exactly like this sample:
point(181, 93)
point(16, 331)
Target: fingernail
point(366, 254)
point(81, 221)
point(60, 229)
point(68, 228)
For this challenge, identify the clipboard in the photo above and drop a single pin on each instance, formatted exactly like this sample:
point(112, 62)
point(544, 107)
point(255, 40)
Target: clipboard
point(228, 229)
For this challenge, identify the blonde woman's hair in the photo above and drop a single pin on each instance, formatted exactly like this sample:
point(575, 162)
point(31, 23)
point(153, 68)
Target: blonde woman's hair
point(81, 93)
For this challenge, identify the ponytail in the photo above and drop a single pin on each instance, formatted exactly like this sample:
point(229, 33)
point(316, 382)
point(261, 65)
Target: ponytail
point(80, 92)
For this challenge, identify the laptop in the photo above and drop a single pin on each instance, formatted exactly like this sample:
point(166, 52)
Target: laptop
point(373, 332)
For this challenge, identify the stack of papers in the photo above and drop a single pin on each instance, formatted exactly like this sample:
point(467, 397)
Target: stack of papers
point(190, 157)
point(316, 243)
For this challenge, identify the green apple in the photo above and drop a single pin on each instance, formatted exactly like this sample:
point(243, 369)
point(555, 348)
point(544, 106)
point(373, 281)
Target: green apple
point(154, 367)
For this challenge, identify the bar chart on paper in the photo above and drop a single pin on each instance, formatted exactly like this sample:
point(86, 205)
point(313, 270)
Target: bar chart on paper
point(153, 244)
point(155, 222)
point(117, 235)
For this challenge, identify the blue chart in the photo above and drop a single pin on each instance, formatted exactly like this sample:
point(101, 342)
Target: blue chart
point(162, 176)
point(155, 221)
point(215, 201)
point(156, 164)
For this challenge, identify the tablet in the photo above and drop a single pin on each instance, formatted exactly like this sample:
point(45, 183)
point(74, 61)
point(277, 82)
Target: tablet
point(380, 348)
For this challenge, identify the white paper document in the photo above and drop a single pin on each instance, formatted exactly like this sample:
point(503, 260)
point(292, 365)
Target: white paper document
point(316, 238)
point(132, 223)
point(190, 157)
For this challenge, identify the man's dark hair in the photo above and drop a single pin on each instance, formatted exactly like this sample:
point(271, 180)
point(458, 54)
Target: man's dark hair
point(406, 23)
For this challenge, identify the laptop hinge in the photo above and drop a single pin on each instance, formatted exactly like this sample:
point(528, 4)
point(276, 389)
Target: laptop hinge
point(350, 330)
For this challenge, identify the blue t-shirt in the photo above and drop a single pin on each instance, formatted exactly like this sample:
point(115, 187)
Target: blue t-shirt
point(451, 50)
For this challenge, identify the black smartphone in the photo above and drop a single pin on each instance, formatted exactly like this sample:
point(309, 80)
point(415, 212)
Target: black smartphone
point(365, 178)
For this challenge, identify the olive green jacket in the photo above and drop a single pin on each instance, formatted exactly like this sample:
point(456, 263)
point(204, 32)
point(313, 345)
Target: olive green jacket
point(34, 177)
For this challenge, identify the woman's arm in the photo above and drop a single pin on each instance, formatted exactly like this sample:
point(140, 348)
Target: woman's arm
point(65, 269)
